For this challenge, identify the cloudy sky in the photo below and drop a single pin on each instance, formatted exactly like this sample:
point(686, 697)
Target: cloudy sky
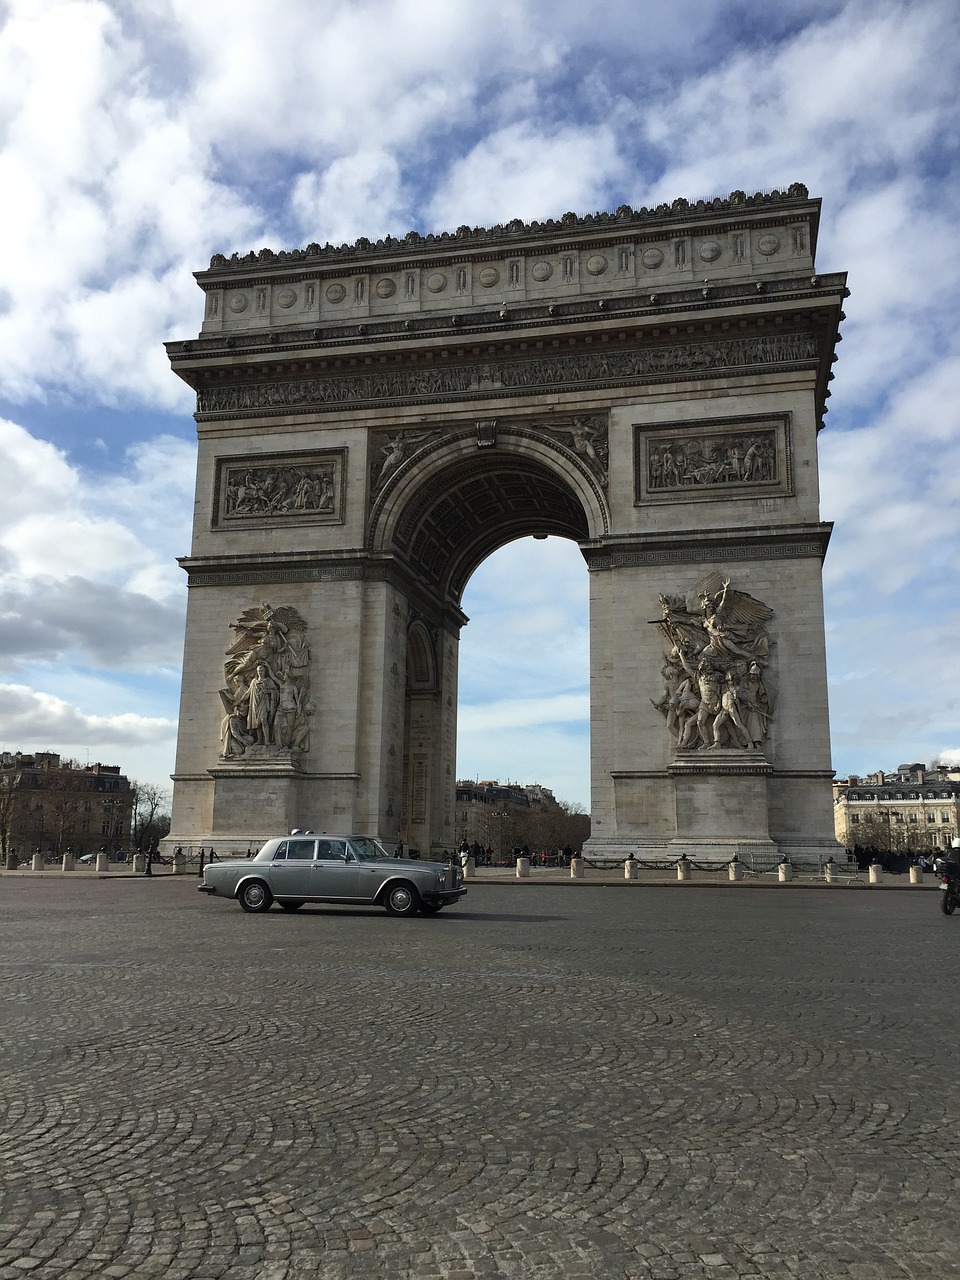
point(138, 137)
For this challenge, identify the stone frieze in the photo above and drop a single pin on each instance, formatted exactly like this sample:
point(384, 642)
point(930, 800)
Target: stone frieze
point(572, 370)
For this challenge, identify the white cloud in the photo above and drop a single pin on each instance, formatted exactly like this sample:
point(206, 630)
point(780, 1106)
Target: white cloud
point(31, 717)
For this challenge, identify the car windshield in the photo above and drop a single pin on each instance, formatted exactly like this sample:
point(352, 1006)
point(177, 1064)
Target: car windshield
point(367, 849)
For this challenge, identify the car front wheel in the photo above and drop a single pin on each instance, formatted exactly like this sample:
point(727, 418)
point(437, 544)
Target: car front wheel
point(401, 900)
point(255, 896)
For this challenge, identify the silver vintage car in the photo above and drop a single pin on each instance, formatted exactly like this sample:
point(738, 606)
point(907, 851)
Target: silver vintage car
point(353, 870)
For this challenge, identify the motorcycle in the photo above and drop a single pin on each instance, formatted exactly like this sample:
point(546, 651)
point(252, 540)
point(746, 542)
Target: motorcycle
point(949, 874)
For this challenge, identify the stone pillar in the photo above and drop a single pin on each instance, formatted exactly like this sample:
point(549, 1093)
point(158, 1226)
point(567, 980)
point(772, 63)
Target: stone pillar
point(179, 863)
point(69, 862)
point(683, 869)
point(916, 875)
point(576, 868)
point(139, 864)
point(631, 870)
point(36, 862)
point(103, 860)
point(469, 868)
point(735, 870)
point(876, 873)
point(785, 872)
point(523, 868)
point(828, 872)
point(13, 860)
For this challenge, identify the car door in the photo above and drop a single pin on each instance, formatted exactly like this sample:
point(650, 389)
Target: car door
point(292, 867)
point(334, 874)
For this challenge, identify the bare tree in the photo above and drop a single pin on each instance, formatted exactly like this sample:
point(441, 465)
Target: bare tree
point(10, 804)
point(151, 817)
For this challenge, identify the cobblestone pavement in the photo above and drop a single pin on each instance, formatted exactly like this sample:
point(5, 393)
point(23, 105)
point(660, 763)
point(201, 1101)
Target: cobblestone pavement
point(632, 1082)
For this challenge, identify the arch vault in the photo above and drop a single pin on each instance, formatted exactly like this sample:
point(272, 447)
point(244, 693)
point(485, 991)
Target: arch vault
point(375, 420)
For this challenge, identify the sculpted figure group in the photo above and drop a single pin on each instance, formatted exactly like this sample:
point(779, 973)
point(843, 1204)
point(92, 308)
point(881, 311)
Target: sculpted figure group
point(717, 461)
point(266, 701)
point(715, 695)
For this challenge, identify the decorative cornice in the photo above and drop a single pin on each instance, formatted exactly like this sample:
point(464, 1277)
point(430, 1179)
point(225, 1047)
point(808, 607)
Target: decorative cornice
point(285, 567)
point(518, 232)
point(755, 542)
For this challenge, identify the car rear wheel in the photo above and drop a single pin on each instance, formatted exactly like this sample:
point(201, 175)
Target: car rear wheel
point(401, 900)
point(255, 896)
point(291, 906)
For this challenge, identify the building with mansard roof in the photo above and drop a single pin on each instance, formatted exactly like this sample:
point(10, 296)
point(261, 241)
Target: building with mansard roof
point(50, 805)
point(915, 808)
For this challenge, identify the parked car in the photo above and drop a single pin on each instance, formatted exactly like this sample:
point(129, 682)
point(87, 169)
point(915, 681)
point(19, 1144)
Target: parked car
point(353, 870)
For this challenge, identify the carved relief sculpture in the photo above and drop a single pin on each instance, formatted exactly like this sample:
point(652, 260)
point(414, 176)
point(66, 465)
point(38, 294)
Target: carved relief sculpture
point(715, 694)
point(266, 701)
point(588, 437)
point(713, 460)
point(275, 488)
point(398, 447)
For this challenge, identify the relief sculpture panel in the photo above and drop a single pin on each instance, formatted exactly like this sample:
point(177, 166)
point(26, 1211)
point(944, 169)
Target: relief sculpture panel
point(696, 461)
point(266, 701)
point(280, 489)
point(716, 692)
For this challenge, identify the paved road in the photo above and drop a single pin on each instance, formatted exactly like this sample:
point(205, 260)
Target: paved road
point(659, 1083)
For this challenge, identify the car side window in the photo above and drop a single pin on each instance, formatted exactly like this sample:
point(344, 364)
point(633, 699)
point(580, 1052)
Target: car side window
point(332, 849)
point(280, 852)
point(302, 850)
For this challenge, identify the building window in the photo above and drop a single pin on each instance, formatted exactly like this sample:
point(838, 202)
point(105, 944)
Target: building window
point(855, 817)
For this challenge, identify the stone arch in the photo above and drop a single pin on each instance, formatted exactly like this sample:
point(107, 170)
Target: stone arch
point(421, 658)
point(452, 503)
point(362, 453)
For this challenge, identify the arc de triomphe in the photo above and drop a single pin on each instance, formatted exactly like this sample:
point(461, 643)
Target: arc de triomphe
point(375, 419)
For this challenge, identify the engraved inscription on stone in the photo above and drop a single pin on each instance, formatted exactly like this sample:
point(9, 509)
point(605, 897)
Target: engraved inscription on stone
point(731, 458)
point(715, 691)
point(280, 488)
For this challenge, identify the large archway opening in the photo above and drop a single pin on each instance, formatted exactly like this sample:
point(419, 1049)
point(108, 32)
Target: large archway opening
point(498, 506)
point(523, 709)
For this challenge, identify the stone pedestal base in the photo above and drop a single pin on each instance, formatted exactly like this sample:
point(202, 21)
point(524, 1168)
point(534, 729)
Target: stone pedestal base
point(258, 796)
point(721, 799)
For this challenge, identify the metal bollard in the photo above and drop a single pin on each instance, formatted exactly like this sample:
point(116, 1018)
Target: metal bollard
point(203, 854)
point(576, 868)
point(523, 868)
point(876, 873)
point(785, 872)
point(683, 869)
